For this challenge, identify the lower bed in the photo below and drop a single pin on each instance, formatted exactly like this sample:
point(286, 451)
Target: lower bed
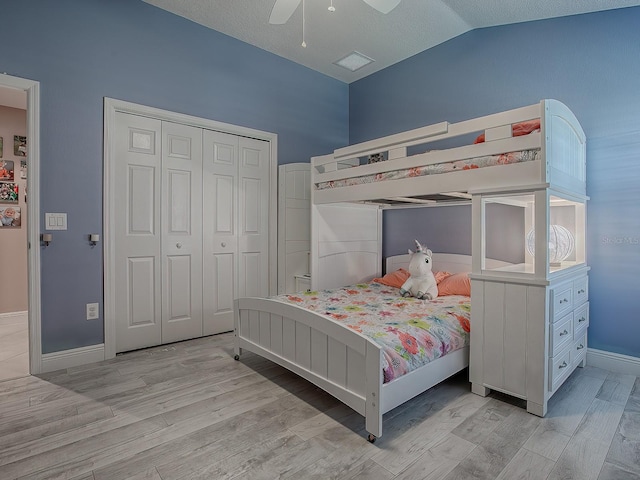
point(364, 344)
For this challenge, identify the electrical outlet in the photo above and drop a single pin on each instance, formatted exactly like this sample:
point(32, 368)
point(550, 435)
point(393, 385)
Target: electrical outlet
point(93, 311)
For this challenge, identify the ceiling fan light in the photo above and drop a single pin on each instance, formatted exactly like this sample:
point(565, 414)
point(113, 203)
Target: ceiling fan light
point(354, 61)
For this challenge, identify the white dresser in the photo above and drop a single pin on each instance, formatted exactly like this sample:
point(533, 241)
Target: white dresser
point(569, 320)
point(527, 339)
point(529, 319)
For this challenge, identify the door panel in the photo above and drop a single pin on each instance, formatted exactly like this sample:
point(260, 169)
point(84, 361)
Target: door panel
point(220, 173)
point(141, 299)
point(136, 232)
point(179, 288)
point(182, 232)
point(179, 202)
point(294, 224)
point(253, 238)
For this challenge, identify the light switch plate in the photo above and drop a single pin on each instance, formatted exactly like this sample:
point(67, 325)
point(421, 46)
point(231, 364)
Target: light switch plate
point(55, 221)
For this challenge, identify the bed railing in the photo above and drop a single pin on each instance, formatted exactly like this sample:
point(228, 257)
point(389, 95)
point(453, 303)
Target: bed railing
point(316, 348)
point(561, 141)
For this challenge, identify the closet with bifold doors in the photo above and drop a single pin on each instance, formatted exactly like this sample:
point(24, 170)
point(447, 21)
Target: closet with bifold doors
point(191, 229)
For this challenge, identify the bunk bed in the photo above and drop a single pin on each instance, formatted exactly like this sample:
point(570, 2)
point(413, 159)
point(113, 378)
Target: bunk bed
point(348, 194)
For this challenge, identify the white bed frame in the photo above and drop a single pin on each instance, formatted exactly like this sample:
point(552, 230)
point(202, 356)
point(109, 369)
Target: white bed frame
point(339, 360)
point(561, 141)
point(346, 246)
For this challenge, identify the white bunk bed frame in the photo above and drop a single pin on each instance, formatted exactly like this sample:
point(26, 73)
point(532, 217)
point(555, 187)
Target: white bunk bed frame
point(561, 141)
point(339, 360)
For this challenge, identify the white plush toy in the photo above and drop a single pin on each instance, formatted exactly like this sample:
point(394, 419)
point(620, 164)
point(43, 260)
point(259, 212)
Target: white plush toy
point(421, 282)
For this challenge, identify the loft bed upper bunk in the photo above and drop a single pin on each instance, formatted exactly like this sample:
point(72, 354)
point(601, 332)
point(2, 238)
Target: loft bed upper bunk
point(346, 241)
point(513, 154)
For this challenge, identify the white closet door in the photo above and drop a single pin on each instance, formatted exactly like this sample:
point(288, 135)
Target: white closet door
point(181, 232)
point(236, 225)
point(294, 224)
point(137, 232)
point(253, 205)
point(220, 224)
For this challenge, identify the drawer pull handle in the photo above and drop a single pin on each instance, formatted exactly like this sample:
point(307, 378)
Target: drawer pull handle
point(564, 365)
point(564, 301)
point(562, 334)
point(580, 291)
point(582, 319)
point(580, 347)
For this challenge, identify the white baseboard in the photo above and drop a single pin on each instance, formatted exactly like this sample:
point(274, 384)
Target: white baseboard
point(72, 358)
point(613, 362)
point(12, 317)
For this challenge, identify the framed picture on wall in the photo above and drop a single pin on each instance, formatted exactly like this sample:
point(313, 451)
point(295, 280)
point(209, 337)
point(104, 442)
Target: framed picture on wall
point(8, 192)
point(6, 170)
point(9, 216)
point(1, 148)
point(19, 146)
point(23, 169)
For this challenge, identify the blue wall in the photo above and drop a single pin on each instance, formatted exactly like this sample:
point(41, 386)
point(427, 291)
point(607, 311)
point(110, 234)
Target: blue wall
point(591, 63)
point(83, 50)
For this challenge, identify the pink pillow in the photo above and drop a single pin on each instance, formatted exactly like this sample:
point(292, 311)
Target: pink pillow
point(518, 129)
point(456, 284)
point(394, 279)
point(441, 276)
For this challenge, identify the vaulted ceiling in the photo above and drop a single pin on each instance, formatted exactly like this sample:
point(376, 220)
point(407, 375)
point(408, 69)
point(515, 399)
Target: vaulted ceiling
point(412, 27)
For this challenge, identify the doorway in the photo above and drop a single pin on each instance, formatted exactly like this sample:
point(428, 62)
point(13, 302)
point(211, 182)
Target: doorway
point(20, 347)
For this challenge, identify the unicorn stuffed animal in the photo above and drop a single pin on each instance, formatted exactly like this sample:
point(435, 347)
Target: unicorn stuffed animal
point(421, 282)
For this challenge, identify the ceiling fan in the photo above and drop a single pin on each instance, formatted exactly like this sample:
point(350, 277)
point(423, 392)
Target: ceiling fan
point(283, 9)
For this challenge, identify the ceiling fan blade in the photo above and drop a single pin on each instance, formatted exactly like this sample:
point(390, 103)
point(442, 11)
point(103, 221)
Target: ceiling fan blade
point(383, 6)
point(282, 11)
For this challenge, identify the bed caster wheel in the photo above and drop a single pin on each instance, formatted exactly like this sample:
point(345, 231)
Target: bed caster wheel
point(236, 357)
point(371, 438)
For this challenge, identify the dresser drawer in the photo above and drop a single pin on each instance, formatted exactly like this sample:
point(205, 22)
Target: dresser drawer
point(580, 290)
point(561, 334)
point(580, 320)
point(559, 368)
point(579, 349)
point(561, 300)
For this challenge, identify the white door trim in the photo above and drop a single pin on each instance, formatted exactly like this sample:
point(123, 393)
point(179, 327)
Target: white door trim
point(111, 106)
point(33, 218)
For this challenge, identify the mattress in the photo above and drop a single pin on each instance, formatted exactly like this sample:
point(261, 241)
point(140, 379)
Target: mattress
point(411, 332)
point(434, 169)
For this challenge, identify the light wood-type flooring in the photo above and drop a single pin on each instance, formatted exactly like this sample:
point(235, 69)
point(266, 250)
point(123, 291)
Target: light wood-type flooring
point(14, 346)
point(188, 410)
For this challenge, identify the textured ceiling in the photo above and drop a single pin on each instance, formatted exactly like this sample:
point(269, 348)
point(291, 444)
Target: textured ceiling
point(412, 27)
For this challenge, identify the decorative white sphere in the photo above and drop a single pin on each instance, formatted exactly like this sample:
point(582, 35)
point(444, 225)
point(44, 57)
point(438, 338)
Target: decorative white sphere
point(561, 243)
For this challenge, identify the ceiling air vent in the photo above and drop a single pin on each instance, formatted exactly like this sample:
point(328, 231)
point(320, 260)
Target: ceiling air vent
point(354, 61)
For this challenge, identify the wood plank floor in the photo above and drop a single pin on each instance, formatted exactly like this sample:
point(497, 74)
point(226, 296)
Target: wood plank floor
point(189, 411)
point(14, 345)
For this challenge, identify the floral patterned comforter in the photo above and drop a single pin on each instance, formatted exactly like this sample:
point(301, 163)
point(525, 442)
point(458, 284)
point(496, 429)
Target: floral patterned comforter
point(411, 332)
point(459, 165)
